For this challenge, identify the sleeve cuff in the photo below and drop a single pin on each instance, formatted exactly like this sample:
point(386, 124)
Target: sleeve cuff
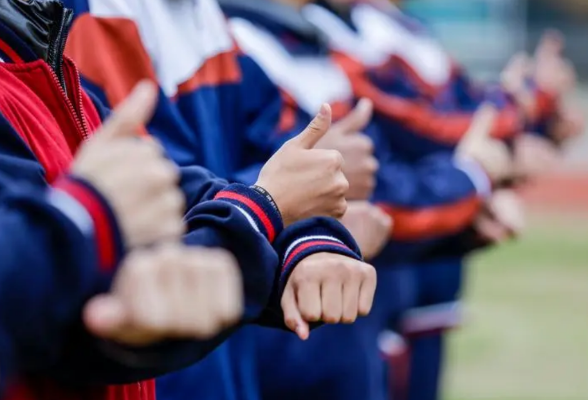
point(477, 175)
point(90, 212)
point(260, 211)
point(545, 105)
point(318, 240)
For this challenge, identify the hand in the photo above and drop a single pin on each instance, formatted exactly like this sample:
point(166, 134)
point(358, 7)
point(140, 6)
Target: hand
point(569, 124)
point(369, 225)
point(132, 173)
point(170, 292)
point(503, 219)
point(357, 149)
point(492, 155)
point(514, 81)
point(307, 182)
point(533, 156)
point(553, 73)
point(327, 287)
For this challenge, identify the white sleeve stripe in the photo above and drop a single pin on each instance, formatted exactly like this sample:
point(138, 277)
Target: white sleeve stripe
point(306, 239)
point(72, 209)
point(476, 173)
point(249, 218)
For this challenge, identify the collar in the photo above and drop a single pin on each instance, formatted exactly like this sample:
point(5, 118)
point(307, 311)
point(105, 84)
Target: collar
point(33, 29)
point(280, 19)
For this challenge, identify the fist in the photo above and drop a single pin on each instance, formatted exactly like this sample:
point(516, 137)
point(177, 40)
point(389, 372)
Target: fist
point(503, 218)
point(171, 292)
point(307, 182)
point(132, 173)
point(369, 225)
point(533, 156)
point(327, 287)
point(357, 150)
point(492, 155)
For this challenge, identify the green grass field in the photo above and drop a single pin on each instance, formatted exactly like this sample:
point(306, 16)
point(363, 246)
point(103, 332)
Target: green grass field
point(526, 336)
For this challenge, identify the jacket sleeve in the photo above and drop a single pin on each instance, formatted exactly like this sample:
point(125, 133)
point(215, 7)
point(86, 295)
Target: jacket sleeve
point(403, 103)
point(59, 245)
point(434, 197)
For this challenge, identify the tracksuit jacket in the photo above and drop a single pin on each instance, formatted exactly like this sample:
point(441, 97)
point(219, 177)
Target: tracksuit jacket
point(45, 115)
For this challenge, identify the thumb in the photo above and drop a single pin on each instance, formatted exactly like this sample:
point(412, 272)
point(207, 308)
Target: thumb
point(357, 119)
point(133, 113)
point(315, 131)
point(481, 126)
point(104, 316)
point(551, 44)
point(292, 317)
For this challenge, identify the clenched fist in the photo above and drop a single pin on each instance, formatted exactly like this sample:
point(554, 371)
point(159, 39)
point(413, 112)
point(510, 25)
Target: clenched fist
point(369, 225)
point(327, 287)
point(492, 155)
point(307, 182)
point(170, 292)
point(133, 174)
point(357, 149)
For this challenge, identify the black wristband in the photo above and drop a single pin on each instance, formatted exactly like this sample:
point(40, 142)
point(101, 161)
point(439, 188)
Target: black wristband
point(267, 195)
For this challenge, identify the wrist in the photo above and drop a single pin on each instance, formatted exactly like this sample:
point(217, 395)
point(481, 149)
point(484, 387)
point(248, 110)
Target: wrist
point(258, 207)
point(85, 206)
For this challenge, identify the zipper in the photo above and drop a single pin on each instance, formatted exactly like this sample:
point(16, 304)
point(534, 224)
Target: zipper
point(79, 119)
point(57, 46)
point(55, 61)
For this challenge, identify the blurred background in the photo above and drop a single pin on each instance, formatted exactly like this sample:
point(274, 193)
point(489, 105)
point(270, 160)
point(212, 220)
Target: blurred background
point(526, 337)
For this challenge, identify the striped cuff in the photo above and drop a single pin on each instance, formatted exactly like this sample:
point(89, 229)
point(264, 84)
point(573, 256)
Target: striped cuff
point(308, 245)
point(261, 213)
point(90, 212)
point(432, 319)
point(545, 105)
point(476, 173)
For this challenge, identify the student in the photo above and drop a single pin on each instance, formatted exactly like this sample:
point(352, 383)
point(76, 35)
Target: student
point(438, 195)
point(47, 115)
point(379, 44)
point(219, 110)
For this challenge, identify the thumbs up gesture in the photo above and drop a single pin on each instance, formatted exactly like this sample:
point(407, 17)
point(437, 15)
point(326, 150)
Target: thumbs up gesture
point(133, 174)
point(553, 73)
point(304, 181)
point(477, 144)
point(356, 148)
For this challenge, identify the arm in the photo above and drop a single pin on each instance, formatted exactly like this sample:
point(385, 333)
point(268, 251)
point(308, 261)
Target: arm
point(400, 102)
point(59, 246)
point(435, 197)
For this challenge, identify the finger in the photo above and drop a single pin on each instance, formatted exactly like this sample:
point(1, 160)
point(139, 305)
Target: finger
point(292, 317)
point(481, 127)
point(308, 296)
point(104, 316)
point(332, 301)
point(134, 112)
point(357, 119)
point(551, 44)
point(316, 130)
point(367, 291)
point(350, 301)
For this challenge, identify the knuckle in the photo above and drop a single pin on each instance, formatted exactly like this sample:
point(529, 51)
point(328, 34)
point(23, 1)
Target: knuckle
point(340, 208)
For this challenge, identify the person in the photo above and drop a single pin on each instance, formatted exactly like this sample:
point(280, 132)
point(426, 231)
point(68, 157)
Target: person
point(443, 98)
point(203, 79)
point(427, 199)
point(47, 115)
